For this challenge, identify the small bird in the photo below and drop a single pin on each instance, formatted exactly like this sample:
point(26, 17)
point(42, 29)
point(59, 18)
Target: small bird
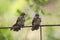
point(21, 20)
point(36, 22)
point(19, 23)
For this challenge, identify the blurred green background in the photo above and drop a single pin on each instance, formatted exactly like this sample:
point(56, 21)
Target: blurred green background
point(49, 11)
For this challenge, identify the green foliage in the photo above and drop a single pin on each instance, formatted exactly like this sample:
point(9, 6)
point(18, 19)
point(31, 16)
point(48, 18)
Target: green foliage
point(49, 33)
point(6, 33)
point(43, 13)
point(2, 37)
point(27, 0)
point(49, 14)
point(18, 11)
point(31, 5)
point(42, 1)
point(50, 37)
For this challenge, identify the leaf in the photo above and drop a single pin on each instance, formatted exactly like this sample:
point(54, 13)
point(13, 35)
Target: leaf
point(42, 12)
point(19, 11)
point(42, 1)
point(31, 5)
point(27, 0)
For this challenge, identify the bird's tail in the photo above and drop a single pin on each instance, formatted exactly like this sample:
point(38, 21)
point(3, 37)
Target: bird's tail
point(15, 27)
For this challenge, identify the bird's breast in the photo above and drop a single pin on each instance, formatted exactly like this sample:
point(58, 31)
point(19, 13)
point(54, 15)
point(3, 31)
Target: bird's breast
point(37, 22)
point(21, 22)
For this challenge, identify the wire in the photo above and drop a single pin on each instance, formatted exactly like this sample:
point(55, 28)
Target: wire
point(5, 27)
point(31, 26)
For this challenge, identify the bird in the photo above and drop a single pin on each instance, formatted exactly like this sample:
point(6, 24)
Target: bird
point(21, 20)
point(19, 23)
point(36, 22)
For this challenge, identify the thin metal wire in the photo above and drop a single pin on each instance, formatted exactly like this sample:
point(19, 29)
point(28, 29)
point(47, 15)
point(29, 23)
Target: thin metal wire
point(5, 27)
point(31, 26)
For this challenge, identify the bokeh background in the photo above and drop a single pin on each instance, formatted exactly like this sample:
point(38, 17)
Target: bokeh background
point(49, 11)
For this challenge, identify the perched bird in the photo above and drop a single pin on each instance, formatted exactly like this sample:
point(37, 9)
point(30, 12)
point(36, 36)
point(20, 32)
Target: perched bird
point(19, 23)
point(21, 20)
point(36, 22)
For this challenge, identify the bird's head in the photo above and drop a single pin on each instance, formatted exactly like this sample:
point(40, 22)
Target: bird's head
point(22, 14)
point(37, 15)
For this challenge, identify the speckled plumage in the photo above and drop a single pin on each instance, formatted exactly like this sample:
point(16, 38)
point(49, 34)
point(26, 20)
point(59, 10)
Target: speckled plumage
point(36, 22)
point(19, 23)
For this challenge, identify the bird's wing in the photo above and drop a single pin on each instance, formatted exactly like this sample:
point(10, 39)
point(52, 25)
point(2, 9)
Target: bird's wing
point(19, 19)
point(33, 21)
point(40, 19)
